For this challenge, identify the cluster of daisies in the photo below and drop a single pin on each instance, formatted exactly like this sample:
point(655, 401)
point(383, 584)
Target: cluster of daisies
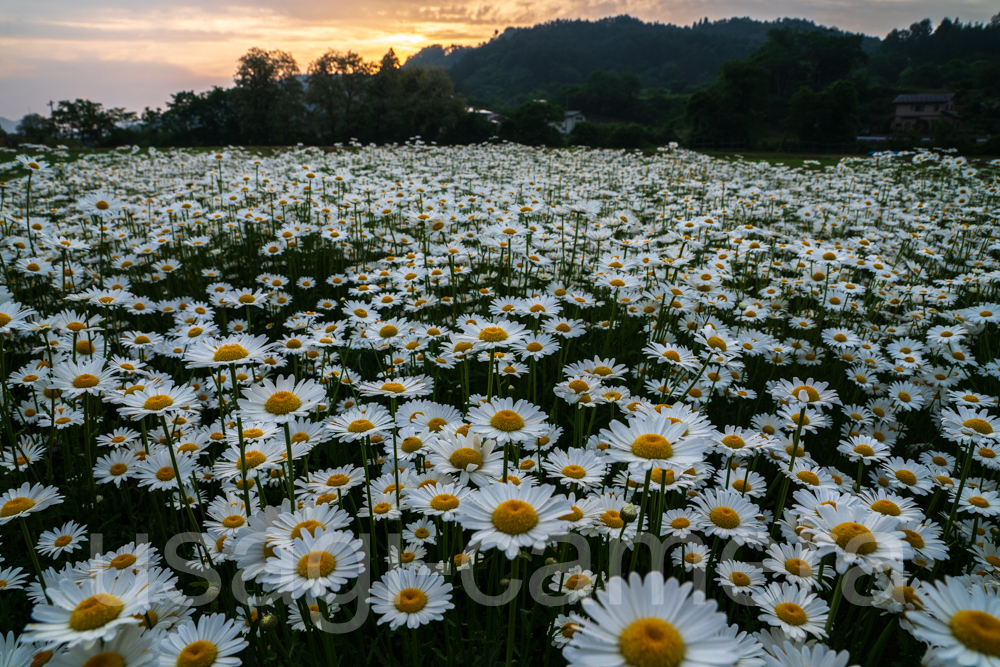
point(659, 410)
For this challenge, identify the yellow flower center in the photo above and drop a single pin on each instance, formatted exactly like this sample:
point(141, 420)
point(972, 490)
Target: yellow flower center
point(95, 612)
point(16, 506)
point(680, 523)
point(309, 526)
point(652, 446)
point(410, 600)
point(864, 450)
point(122, 561)
point(717, 343)
point(980, 426)
point(979, 501)
point(576, 582)
point(672, 355)
point(85, 381)
point(62, 540)
point(507, 421)
point(906, 477)
point(739, 578)
point(612, 519)
point(360, 426)
point(913, 538)
point(316, 564)
point(808, 477)
point(724, 517)
point(233, 521)
point(463, 457)
point(651, 642)
point(106, 659)
point(574, 471)
point(436, 424)
point(811, 393)
point(394, 387)
point(493, 335)
point(798, 567)
point(733, 442)
point(790, 613)
point(253, 459)
point(165, 474)
point(157, 402)
point(514, 517)
point(199, 653)
point(575, 514)
point(411, 444)
point(444, 502)
point(978, 630)
point(906, 595)
point(422, 533)
point(388, 331)
point(231, 352)
point(854, 538)
point(282, 403)
point(886, 507)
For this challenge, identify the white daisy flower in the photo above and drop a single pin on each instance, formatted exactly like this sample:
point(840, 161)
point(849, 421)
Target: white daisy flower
point(316, 565)
point(960, 622)
point(214, 642)
point(443, 500)
point(650, 622)
point(410, 597)
point(281, 401)
point(510, 517)
point(798, 613)
point(576, 583)
point(94, 608)
point(66, 539)
point(470, 457)
point(27, 499)
point(215, 352)
point(650, 440)
point(505, 420)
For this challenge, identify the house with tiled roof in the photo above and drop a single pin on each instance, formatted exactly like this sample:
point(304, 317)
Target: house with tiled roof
point(916, 113)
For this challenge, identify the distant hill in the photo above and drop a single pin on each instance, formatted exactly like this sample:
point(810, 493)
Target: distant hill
point(8, 125)
point(522, 63)
point(438, 56)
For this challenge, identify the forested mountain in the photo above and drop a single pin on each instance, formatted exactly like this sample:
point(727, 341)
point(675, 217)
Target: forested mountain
point(522, 63)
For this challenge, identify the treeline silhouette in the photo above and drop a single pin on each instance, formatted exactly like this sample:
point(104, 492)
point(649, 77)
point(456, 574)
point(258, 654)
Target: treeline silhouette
point(340, 98)
point(733, 82)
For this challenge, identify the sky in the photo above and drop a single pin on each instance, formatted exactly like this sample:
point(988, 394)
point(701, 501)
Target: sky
point(135, 53)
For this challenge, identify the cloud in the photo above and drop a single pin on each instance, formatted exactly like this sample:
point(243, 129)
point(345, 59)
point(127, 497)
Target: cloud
point(134, 53)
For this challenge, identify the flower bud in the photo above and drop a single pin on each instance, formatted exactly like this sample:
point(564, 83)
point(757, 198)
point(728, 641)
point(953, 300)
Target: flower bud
point(629, 513)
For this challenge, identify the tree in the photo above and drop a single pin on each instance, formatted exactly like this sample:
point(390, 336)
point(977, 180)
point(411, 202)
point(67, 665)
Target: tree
point(202, 119)
point(429, 103)
point(36, 128)
point(829, 116)
point(268, 96)
point(529, 124)
point(89, 122)
point(336, 83)
point(733, 108)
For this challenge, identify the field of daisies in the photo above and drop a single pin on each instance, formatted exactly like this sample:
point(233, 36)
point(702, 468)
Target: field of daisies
point(494, 405)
